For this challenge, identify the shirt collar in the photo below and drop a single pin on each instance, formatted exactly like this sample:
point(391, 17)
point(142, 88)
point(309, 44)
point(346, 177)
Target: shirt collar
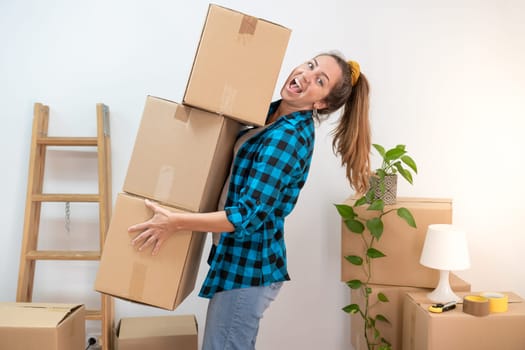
point(293, 118)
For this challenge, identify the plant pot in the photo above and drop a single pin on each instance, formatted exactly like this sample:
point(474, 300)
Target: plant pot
point(386, 189)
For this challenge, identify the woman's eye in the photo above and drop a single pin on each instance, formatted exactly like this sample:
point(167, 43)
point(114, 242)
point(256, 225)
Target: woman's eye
point(320, 82)
point(310, 65)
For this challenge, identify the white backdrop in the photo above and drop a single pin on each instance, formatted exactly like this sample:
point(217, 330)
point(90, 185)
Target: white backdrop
point(447, 80)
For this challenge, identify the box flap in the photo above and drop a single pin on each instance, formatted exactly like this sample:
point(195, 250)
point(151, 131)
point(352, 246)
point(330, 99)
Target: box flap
point(40, 315)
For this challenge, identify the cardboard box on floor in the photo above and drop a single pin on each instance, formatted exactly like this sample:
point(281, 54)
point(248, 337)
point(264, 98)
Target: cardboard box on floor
point(181, 156)
point(42, 326)
point(236, 65)
point(401, 243)
point(392, 310)
point(164, 280)
point(157, 332)
point(456, 330)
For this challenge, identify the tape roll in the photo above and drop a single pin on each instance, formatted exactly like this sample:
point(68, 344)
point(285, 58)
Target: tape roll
point(476, 305)
point(498, 302)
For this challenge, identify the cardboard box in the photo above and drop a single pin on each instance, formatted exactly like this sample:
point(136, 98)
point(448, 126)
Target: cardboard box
point(392, 310)
point(164, 280)
point(42, 326)
point(158, 332)
point(236, 65)
point(181, 156)
point(401, 243)
point(456, 330)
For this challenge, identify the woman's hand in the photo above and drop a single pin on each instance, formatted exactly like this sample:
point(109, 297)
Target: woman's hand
point(154, 231)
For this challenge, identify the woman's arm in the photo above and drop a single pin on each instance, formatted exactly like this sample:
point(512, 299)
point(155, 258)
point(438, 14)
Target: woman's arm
point(164, 223)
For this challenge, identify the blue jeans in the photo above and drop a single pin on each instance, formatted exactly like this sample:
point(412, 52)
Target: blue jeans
point(233, 316)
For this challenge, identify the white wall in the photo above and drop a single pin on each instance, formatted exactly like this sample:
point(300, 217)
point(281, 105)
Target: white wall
point(447, 80)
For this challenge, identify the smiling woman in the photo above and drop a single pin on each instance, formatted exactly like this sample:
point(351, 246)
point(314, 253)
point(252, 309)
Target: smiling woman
point(248, 260)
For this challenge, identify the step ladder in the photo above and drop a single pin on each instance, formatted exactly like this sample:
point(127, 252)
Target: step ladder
point(34, 199)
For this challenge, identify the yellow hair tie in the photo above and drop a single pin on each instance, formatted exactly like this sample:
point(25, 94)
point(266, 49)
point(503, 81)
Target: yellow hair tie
point(354, 70)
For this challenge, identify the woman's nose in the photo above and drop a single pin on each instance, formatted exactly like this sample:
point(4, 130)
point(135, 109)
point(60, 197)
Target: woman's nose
point(307, 76)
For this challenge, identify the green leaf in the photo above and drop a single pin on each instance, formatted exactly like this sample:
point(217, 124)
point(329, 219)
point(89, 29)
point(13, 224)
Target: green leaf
point(374, 253)
point(380, 149)
point(406, 215)
point(376, 333)
point(345, 211)
point(375, 226)
point(394, 153)
point(382, 318)
point(403, 147)
point(385, 345)
point(355, 226)
point(380, 174)
point(410, 162)
point(351, 309)
point(360, 201)
point(386, 342)
point(405, 173)
point(368, 291)
point(354, 259)
point(382, 297)
point(354, 284)
point(378, 205)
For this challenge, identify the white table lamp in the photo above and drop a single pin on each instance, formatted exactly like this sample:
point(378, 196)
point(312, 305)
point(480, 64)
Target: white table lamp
point(445, 249)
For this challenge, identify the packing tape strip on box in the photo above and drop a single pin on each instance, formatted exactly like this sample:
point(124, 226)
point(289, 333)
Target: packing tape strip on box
point(485, 303)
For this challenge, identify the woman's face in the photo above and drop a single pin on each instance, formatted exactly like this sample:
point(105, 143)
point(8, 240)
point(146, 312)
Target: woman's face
point(311, 82)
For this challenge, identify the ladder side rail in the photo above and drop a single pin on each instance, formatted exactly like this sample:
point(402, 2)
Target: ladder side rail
point(35, 181)
point(105, 204)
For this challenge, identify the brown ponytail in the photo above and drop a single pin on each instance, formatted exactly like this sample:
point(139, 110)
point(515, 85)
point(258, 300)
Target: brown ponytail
point(351, 137)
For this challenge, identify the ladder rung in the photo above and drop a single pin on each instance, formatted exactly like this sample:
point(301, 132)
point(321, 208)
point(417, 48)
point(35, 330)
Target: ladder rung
point(93, 315)
point(55, 197)
point(63, 255)
point(68, 141)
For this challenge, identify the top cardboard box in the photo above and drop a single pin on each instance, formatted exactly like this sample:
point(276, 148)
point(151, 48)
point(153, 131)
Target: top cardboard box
point(42, 326)
point(401, 243)
point(236, 66)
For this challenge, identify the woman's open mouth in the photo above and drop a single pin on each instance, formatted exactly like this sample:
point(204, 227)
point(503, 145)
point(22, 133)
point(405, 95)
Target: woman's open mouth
point(295, 86)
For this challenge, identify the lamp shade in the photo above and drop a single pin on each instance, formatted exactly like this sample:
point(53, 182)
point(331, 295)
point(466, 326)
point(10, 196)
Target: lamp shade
point(445, 248)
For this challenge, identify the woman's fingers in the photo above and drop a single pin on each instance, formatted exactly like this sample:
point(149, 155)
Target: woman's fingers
point(149, 233)
point(148, 242)
point(141, 237)
point(156, 248)
point(146, 224)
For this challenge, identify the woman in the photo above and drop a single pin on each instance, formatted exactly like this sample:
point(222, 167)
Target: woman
point(248, 261)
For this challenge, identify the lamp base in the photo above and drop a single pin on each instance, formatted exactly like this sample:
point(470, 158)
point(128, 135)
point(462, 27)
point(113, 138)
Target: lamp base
point(443, 293)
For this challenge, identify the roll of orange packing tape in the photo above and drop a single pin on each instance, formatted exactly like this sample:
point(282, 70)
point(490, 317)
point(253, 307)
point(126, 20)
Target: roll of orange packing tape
point(476, 305)
point(498, 302)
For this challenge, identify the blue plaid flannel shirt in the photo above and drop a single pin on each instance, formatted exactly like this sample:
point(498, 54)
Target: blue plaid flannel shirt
point(268, 173)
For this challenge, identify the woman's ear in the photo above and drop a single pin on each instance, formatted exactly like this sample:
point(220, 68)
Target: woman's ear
point(320, 104)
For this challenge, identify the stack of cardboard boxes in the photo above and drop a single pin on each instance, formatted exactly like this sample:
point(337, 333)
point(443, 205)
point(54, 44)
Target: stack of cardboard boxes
point(406, 283)
point(400, 271)
point(183, 152)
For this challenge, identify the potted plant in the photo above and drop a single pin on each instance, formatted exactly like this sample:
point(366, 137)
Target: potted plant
point(371, 229)
point(383, 184)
